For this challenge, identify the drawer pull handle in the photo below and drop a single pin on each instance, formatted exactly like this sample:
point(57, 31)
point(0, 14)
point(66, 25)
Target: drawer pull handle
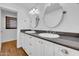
point(30, 37)
point(64, 51)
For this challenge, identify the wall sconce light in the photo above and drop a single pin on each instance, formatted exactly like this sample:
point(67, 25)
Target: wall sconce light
point(35, 13)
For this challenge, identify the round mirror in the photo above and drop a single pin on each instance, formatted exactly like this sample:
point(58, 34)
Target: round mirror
point(52, 15)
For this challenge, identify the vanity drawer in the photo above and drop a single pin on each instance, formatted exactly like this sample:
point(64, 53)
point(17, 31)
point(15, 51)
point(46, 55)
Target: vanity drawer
point(65, 51)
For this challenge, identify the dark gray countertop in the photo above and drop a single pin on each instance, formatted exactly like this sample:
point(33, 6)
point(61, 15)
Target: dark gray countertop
point(68, 41)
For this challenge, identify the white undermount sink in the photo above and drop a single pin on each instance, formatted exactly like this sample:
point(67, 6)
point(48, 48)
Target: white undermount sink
point(49, 35)
point(30, 32)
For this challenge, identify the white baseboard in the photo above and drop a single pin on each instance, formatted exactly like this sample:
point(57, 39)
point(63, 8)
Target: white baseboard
point(7, 40)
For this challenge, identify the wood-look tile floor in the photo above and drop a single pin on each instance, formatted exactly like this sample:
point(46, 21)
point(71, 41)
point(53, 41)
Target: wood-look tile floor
point(10, 49)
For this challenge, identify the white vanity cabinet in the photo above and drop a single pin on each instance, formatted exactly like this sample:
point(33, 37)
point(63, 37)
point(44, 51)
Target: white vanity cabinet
point(35, 46)
point(38, 47)
point(65, 51)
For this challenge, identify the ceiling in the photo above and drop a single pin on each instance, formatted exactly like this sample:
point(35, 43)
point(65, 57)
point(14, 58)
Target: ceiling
point(29, 5)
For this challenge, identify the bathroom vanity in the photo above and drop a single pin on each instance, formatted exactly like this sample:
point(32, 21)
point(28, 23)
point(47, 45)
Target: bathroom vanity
point(35, 45)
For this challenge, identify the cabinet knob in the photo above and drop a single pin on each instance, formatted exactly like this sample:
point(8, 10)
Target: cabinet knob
point(64, 51)
point(40, 42)
point(30, 44)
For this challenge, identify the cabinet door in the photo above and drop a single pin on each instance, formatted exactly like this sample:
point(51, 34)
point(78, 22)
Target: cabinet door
point(36, 47)
point(49, 48)
point(26, 44)
point(65, 51)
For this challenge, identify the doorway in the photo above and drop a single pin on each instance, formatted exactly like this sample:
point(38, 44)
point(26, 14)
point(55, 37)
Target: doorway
point(8, 25)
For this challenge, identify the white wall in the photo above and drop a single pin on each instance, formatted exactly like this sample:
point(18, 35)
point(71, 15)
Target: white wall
point(8, 34)
point(70, 22)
